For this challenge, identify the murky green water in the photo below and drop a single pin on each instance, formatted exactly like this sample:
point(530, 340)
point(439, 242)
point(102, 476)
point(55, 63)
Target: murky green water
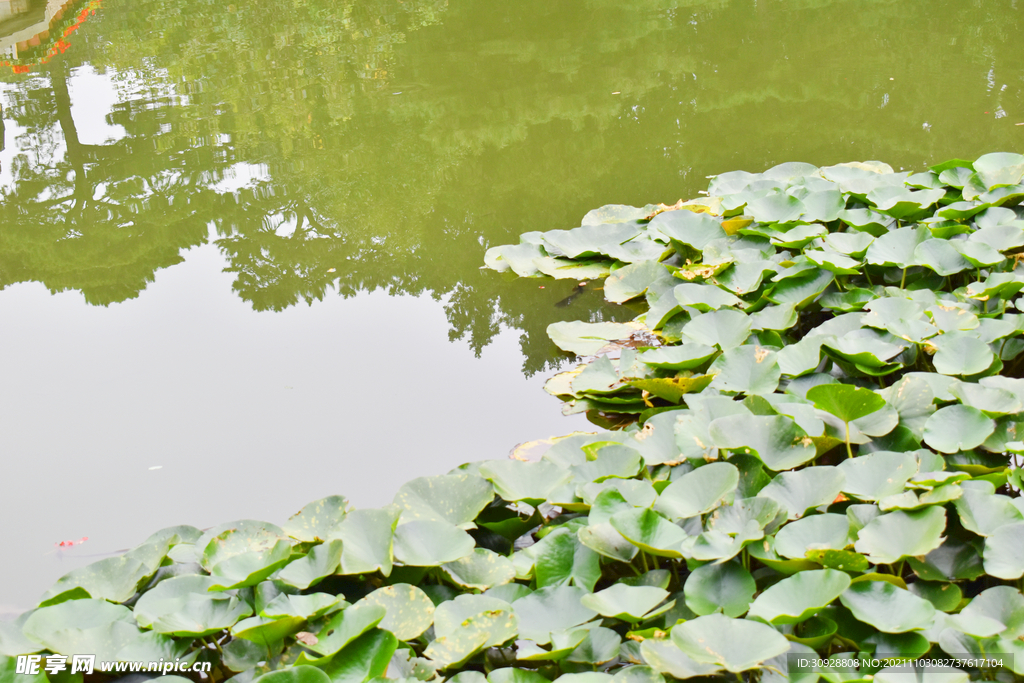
point(240, 243)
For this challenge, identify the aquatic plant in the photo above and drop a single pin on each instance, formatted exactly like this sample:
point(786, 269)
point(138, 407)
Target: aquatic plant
point(813, 458)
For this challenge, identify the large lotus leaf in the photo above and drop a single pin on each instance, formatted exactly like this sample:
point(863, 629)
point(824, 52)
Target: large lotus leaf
point(726, 587)
point(715, 545)
point(453, 498)
point(113, 578)
point(775, 439)
point(896, 247)
point(317, 520)
point(295, 674)
point(86, 627)
point(850, 243)
point(954, 560)
point(887, 607)
point(960, 353)
point(799, 597)
point(368, 540)
point(597, 377)
point(628, 603)
point(999, 169)
point(845, 401)
point(182, 606)
point(776, 207)
point(560, 558)
point(665, 657)
point(684, 357)
point(519, 257)
point(341, 629)
point(650, 532)
point(734, 644)
point(957, 428)
point(480, 570)
point(564, 269)
point(891, 537)
point(1003, 604)
point(266, 631)
point(693, 229)
point(999, 237)
point(902, 202)
point(945, 596)
point(977, 253)
point(991, 400)
point(834, 261)
point(1004, 552)
point(746, 369)
point(309, 606)
point(638, 674)
point(605, 540)
point(321, 561)
point(799, 491)
point(249, 569)
point(800, 291)
point(699, 491)
point(703, 297)
point(551, 609)
point(941, 257)
point(589, 240)
point(409, 612)
point(633, 280)
point(983, 512)
point(584, 338)
point(913, 399)
point(774, 318)
point(814, 532)
point(726, 329)
point(672, 388)
point(733, 519)
point(600, 646)
point(876, 475)
point(424, 543)
point(530, 482)
point(609, 461)
point(364, 659)
point(244, 536)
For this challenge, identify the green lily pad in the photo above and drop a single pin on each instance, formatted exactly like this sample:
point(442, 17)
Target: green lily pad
point(633, 280)
point(962, 354)
point(873, 476)
point(957, 428)
point(845, 401)
point(317, 520)
point(726, 587)
point(1004, 552)
point(320, 562)
point(249, 569)
point(703, 297)
point(551, 609)
point(665, 657)
point(799, 491)
point(409, 612)
point(1003, 604)
point(480, 570)
point(829, 531)
point(530, 482)
point(698, 492)
point(776, 440)
point(683, 357)
point(368, 541)
point(891, 537)
point(650, 532)
point(585, 339)
point(887, 607)
point(746, 369)
point(799, 597)
point(734, 644)
point(725, 329)
point(183, 606)
point(423, 543)
point(628, 603)
point(453, 498)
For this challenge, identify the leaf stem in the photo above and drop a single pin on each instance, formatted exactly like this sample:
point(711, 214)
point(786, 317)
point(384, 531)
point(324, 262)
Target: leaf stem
point(903, 280)
point(643, 560)
point(849, 451)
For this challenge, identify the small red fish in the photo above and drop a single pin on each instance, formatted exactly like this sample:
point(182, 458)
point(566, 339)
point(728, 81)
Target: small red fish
point(68, 544)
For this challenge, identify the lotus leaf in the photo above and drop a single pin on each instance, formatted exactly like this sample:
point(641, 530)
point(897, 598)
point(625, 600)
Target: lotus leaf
point(408, 610)
point(368, 541)
point(481, 570)
point(551, 609)
point(666, 657)
point(746, 369)
point(650, 532)
point(726, 587)
point(1004, 552)
point(891, 537)
point(698, 492)
point(776, 440)
point(799, 597)
point(628, 603)
point(453, 498)
point(182, 606)
point(734, 644)
point(887, 607)
point(958, 427)
point(799, 491)
point(815, 532)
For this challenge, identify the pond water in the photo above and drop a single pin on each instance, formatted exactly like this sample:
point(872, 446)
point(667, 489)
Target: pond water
point(240, 242)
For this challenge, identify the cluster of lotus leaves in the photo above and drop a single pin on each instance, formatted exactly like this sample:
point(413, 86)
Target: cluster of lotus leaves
point(815, 454)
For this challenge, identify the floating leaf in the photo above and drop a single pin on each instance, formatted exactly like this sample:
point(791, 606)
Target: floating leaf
point(409, 612)
point(628, 603)
point(957, 428)
point(734, 644)
point(698, 492)
point(894, 536)
point(799, 597)
point(775, 439)
point(887, 607)
point(726, 587)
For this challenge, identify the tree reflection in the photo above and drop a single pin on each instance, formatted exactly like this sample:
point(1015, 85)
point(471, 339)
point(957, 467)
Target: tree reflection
point(391, 150)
